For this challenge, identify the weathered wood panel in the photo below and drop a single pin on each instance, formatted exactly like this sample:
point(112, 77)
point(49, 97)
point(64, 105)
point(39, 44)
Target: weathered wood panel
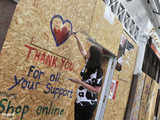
point(150, 106)
point(144, 98)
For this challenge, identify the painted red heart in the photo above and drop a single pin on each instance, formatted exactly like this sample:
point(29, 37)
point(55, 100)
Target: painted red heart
point(60, 35)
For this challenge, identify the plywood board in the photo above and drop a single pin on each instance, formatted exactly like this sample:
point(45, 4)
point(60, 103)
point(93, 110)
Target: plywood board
point(151, 101)
point(34, 67)
point(103, 32)
point(144, 98)
point(137, 96)
point(15, 66)
point(115, 109)
point(37, 15)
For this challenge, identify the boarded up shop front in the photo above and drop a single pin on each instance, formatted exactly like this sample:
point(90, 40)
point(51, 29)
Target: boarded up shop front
point(150, 95)
point(35, 61)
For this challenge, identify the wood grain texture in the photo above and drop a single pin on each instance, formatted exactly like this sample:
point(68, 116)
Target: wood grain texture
point(106, 34)
point(31, 26)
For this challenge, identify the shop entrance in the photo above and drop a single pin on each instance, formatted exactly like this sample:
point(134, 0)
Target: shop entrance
point(106, 88)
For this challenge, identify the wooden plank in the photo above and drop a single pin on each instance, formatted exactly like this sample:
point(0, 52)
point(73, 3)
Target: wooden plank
point(144, 98)
point(151, 101)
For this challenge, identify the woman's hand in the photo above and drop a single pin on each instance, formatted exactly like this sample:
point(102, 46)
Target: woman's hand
point(80, 46)
point(72, 33)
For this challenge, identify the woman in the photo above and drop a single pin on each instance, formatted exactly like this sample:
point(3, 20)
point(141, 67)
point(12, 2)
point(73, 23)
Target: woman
point(90, 85)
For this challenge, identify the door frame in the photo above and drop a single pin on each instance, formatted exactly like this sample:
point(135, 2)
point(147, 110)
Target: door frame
point(106, 88)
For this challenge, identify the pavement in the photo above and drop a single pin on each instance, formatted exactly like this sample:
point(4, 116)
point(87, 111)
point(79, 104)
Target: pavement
point(7, 8)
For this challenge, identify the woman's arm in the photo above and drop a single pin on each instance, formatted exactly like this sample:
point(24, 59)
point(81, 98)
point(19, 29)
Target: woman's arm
point(96, 89)
point(81, 48)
